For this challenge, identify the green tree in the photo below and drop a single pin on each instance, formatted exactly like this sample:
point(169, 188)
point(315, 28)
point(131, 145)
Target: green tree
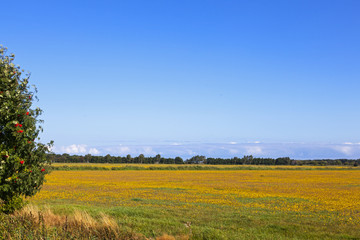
point(196, 160)
point(23, 159)
point(157, 158)
point(179, 160)
point(87, 158)
point(128, 158)
point(282, 161)
point(141, 158)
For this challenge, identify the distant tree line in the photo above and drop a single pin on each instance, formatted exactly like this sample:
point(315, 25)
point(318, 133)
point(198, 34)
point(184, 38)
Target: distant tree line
point(158, 159)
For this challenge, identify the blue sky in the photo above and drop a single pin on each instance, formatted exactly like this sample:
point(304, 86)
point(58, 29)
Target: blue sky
point(179, 78)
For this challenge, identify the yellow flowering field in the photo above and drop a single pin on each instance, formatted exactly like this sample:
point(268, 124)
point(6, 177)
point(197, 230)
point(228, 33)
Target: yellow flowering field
point(225, 204)
point(333, 193)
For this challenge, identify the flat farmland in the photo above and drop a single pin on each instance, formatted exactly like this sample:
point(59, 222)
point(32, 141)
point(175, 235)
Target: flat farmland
point(214, 204)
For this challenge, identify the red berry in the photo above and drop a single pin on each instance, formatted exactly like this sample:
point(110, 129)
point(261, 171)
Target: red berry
point(22, 162)
point(42, 170)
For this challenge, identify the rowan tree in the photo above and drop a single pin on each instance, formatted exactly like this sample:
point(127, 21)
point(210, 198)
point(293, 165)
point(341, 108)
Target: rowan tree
point(23, 158)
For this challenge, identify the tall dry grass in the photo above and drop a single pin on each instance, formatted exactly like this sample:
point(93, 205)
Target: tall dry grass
point(79, 218)
point(32, 223)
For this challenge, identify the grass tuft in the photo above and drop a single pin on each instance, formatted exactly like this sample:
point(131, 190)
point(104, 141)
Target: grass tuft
point(31, 223)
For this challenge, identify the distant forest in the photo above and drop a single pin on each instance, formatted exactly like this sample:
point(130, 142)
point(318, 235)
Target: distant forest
point(246, 160)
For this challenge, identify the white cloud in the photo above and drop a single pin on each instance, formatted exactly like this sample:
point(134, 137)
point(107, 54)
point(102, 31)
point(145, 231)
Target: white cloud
point(124, 150)
point(253, 150)
point(94, 151)
point(74, 149)
point(81, 149)
point(350, 143)
point(233, 151)
point(148, 151)
point(348, 148)
point(344, 149)
point(190, 152)
point(186, 150)
point(232, 142)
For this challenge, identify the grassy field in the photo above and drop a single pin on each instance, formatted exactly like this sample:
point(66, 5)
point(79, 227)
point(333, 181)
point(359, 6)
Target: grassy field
point(212, 204)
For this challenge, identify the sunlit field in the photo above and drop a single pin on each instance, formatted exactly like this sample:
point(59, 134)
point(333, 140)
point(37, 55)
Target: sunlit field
point(261, 204)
